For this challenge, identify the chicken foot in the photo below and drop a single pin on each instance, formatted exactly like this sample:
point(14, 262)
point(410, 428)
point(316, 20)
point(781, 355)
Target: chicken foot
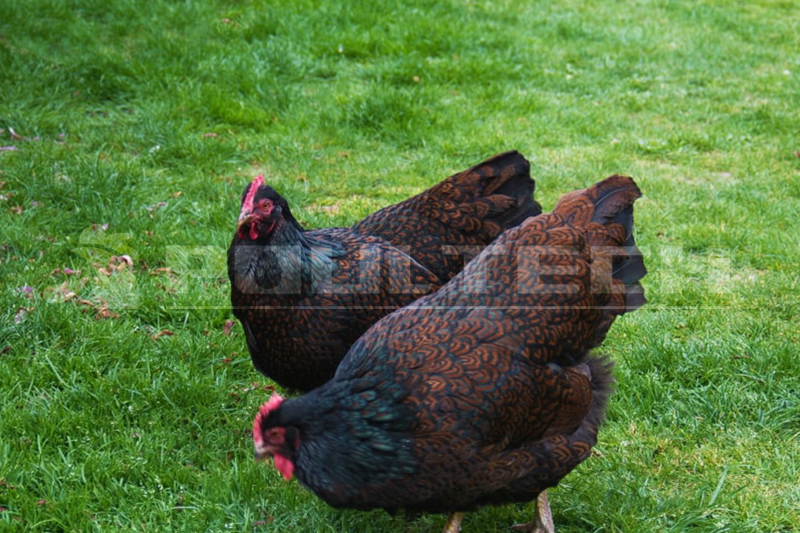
point(542, 522)
point(453, 524)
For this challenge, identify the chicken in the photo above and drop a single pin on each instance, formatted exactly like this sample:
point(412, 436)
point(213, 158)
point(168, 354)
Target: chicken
point(305, 296)
point(484, 392)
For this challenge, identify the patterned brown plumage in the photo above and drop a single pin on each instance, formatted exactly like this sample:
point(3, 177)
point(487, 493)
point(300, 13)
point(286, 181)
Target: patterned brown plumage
point(304, 297)
point(483, 392)
point(454, 220)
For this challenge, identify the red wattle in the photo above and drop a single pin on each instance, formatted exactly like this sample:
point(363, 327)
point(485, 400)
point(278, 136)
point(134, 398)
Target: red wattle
point(284, 465)
point(254, 231)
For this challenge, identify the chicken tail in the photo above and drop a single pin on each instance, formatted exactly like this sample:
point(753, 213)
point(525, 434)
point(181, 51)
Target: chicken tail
point(601, 370)
point(606, 210)
point(508, 175)
point(483, 201)
point(444, 226)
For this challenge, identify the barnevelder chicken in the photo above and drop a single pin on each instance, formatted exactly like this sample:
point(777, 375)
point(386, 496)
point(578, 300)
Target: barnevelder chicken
point(305, 296)
point(484, 392)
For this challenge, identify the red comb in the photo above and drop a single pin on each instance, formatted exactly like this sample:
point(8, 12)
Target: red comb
point(247, 205)
point(273, 403)
point(269, 406)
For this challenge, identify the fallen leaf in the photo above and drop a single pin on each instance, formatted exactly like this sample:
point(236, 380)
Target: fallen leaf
point(122, 261)
point(104, 312)
point(5, 350)
point(797, 154)
point(226, 329)
point(14, 134)
point(63, 292)
point(8, 148)
point(69, 272)
point(162, 333)
point(168, 271)
point(17, 210)
point(156, 207)
point(210, 134)
point(19, 316)
point(177, 194)
point(41, 502)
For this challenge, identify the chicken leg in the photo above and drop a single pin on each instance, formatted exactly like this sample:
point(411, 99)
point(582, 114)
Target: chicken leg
point(453, 524)
point(542, 522)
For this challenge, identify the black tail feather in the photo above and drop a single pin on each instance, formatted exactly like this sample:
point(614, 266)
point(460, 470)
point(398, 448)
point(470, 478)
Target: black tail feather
point(513, 180)
point(613, 203)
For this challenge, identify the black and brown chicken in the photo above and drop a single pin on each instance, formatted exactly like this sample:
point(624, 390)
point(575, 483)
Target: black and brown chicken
point(305, 296)
point(484, 392)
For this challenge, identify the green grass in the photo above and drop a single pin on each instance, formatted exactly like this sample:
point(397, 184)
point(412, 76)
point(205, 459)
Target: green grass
point(142, 121)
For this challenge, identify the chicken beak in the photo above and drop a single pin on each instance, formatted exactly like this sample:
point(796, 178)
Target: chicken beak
point(262, 452)
point(245, 218)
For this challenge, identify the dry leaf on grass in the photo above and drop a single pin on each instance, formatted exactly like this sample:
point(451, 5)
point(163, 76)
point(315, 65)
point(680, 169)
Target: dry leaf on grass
point(25, 289)
point(162, 333)
point(156, 207)
point(104, 312)
point(64, 293)
point(21, 313)
point(117, 263)
point(66, 271)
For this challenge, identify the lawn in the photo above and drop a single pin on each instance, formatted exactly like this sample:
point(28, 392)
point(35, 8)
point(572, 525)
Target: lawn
point(129, 128)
